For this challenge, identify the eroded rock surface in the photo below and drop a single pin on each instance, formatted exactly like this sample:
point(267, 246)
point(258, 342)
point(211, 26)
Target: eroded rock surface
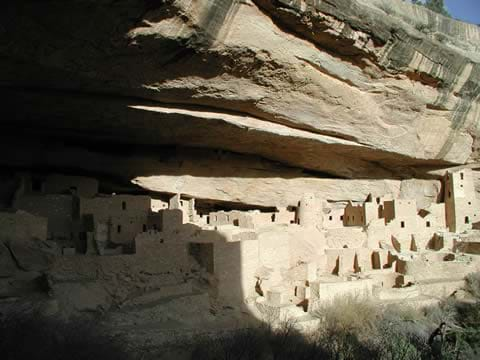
point(216, 176)
point(356, 88)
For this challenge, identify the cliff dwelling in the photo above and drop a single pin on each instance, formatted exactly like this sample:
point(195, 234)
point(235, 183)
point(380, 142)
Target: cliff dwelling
point(378, 245)
point(175, 172)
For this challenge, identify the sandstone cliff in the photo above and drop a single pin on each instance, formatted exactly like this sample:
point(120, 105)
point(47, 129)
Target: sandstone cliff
point(354, 89)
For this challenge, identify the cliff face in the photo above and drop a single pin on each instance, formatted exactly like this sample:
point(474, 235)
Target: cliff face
point(351, 88)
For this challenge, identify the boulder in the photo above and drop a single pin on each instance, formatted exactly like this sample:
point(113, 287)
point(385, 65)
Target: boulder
point(7, 264)
point(30, 255)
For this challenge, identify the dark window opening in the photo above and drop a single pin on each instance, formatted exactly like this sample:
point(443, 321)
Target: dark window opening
point(461, 185)
point(402, 224)
point(341, 217)
point(449, 194)
point(461, 176)
point(119, 229)
point(273, 217)
point(428, 223)
point(208, 219)
point(124, 205)
point(36, 185)
point(330, 218)
point(236, 223)
point(144, 228)
point(376, 263)
point(467, 220)
point(469, 203)
point(378, 200)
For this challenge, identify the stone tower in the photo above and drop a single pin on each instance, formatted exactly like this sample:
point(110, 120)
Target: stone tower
point(309, 211)
point(460, 201)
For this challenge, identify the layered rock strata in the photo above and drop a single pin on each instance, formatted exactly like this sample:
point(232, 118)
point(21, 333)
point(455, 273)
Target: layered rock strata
point(355, 88)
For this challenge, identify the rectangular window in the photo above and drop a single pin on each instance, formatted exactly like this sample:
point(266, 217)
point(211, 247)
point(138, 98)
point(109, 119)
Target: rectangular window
point(428, 223)
point(330, 218)
point(402, 224)
point(124, 205)
point(119, 229)
point(36, 185)
point(461, 176)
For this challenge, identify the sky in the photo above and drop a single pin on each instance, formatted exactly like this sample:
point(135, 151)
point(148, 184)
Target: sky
point(465, 10)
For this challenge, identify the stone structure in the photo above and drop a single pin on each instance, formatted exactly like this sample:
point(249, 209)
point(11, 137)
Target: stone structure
point(280, 179)
point(287, 258)
point(460, 200)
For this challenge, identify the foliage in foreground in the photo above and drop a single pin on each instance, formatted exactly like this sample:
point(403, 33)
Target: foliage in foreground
point(349, 329)
point(355, 329)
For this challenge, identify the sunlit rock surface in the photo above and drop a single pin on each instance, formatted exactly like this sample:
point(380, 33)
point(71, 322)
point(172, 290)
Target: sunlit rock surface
point(358, 89)
point(191, 167)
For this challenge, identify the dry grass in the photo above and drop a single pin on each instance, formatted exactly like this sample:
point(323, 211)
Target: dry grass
point(472, 285)
point(349, 314)
point(387, 8)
